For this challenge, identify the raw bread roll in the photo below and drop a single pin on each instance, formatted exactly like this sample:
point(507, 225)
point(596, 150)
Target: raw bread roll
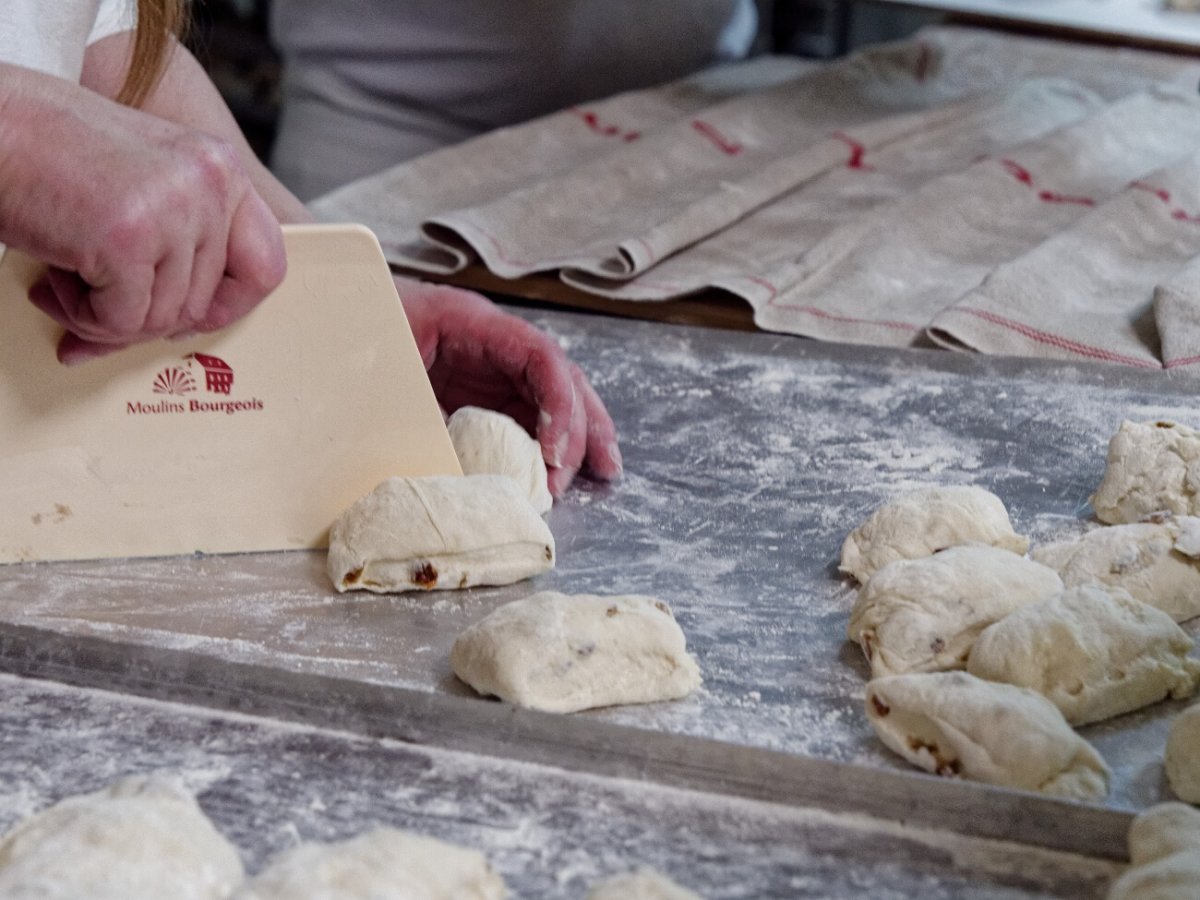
point(1164, 849)
point(1164, 830)
point(564, 653)
point(384, 864)
point(143, 838)
point(1156, 561)
point(1152, 467)
point(924, 522)
point(644, 884)
point(1094, 652)
point(1183, 758)
point(923, 615)
point(491, 443)
point(440, 532)
point(954, 724)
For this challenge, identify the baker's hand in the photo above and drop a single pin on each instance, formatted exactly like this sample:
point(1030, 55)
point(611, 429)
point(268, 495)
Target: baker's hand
point(478, 355)
point(151, 229)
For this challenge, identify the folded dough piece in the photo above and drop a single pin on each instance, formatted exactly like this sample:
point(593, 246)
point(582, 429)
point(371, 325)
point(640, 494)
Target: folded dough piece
point(383, 864)
point(563, 653)
point(1152, 467)
point(1094, 652)
point(924, 522)
point(1157, 561)
point(923, 615)
point(1183, 758)
point(954, 724)
point(439, 532)
point(1164, 849)
point(491, 443)
point(644, 884)
point(143, 838)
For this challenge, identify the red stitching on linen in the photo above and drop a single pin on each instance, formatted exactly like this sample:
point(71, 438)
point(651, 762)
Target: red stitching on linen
point(607, 130)
point(1178, 213)
point(1182, 361)
point(857, 151)
point(762, 282)
point(1023, 175)
point(718, 140)
point(1054, 340)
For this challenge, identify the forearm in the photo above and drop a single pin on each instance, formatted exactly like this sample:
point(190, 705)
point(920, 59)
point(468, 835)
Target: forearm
point(187, 96)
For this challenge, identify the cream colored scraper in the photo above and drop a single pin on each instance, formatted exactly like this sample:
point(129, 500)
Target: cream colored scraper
point(254, 438)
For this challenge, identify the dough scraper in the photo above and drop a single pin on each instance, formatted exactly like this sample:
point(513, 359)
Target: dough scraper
point(253, 438)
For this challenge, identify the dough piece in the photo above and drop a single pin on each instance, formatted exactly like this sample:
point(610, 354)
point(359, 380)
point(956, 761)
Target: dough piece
point(491, 443)
point(923, 615)
point(924, 522)
point(1164, 849)
point(439, 533)
point(1094, 652)
point(1156, 561)
point(563, 653)
point(1163, 830)
point(1174, 877)
point(143, 838)
point(954, 724)
point(1152, 467)
point(644, 884)
point(383, 864)
point(1183, 758)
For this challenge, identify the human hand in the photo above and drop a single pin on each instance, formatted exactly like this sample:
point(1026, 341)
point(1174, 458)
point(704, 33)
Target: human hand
point(150, 229)
point(477, 355)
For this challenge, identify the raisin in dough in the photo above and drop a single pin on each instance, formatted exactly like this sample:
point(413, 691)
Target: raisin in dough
point(923, 615)
point(1158, 562)
point(143, 838)
point(1094, 652)
point(439, 532)
point(491, 443)
point(383, 864)
point(954, 724)
point(924, 522)
point(1164, 851)
point(644, 884)
point(1183, 757)
point(1152, 467)
point(563, 653)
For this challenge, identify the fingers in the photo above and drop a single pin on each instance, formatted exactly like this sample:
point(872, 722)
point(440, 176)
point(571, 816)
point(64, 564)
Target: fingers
point(603, 455)
point(255, 263)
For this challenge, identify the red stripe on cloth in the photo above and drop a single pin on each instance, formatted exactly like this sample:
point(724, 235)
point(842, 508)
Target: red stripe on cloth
point(822, 314)
point(718, 140)
point(1054, 340)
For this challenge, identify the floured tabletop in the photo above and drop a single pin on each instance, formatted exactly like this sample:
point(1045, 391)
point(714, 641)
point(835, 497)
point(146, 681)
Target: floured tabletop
point(748, 457)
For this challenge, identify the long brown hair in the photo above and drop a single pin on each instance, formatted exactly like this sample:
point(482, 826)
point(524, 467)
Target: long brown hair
point(159, 24)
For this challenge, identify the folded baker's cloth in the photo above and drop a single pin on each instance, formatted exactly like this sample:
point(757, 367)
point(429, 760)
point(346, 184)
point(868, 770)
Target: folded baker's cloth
point(883, 277)
point(1177, 316)
point(757, 253)
point(409, 205)
point(397, 202)
point(1088, 292)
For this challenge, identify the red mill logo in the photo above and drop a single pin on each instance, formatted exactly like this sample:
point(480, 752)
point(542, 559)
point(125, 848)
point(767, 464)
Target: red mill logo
point(175, 382)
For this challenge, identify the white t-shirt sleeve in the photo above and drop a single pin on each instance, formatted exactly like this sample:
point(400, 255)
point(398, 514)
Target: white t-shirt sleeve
point(113, 17)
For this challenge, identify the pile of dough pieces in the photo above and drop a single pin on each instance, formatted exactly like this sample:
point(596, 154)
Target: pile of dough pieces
point(982, 659)
point(146, 838)
point(551, 651)
point(1164, 856)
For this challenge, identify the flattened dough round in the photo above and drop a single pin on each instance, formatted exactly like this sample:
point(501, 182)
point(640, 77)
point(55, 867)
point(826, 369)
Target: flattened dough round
point(438, 533)
point(563, 653)
point(491, 443)
point(1183, 758)
point(923, 615)
point(1094, 652)
point(954, 724)
point(924, 522)
point(383, 864)
point(1156, 561)
point(143, 838)
point(1163, 830)
point(1152, 467)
